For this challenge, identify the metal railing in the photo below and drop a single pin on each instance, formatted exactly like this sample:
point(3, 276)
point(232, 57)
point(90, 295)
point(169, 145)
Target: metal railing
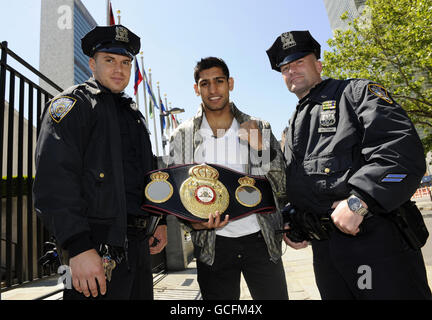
point(17, 141)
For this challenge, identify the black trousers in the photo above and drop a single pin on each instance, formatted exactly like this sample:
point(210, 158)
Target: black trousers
point(247, 255)
point(376, 264)
point(129, 281)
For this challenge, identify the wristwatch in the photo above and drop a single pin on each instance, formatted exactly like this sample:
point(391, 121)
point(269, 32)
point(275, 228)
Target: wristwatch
point(356, 206)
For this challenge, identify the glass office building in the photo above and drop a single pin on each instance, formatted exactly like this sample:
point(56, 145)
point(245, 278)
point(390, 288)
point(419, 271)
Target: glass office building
point(335, 8)
point(63, 24)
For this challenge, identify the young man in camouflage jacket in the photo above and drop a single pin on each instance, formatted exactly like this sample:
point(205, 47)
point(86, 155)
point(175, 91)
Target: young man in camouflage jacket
point(221, 258)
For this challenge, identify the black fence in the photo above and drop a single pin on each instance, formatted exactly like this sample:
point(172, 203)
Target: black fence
point(22, 235)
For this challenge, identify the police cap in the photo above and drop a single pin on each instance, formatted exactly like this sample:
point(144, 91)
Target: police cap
point(115, 39)
point(290, 46)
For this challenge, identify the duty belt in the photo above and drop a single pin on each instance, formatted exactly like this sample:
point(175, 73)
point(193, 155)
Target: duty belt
point(137, 222)
point(306, 225)
point(193, 191)
point(144, 225)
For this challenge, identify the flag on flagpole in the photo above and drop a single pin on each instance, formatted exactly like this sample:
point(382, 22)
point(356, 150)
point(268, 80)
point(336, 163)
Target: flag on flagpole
point(174, 121)
point(150, 108)
point(162, 109)
point(111, 15)
point(168, 118)
point(152, 100)
point(150, 92)
point(138, 77)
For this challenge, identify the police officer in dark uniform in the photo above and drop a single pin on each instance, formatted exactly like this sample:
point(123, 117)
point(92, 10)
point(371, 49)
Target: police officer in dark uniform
point(354, 159)
point(91, 157)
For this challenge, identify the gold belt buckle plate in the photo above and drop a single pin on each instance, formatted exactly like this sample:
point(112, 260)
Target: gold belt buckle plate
point(202, 193)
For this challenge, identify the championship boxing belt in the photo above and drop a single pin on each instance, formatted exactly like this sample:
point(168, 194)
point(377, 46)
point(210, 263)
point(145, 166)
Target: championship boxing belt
point(193, 191)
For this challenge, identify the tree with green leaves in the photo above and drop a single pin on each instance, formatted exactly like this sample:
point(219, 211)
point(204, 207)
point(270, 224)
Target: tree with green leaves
point(390, 43)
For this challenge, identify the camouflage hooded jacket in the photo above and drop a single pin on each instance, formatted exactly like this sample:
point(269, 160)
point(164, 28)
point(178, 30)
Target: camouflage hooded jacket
point(186, 139)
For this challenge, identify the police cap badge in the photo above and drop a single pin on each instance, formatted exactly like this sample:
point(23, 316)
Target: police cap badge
point(290, 46)
point(115, 39)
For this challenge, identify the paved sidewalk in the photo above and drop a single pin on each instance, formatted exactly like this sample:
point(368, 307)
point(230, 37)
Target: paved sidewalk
point(179, 285)
point(300, 275)
point(35, 290)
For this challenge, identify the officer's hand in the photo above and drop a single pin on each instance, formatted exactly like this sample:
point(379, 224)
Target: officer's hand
point(250, 132)
point(161, 235)
point(86, 268)
point(344, 219)
point(294, 245)
point(212, 223)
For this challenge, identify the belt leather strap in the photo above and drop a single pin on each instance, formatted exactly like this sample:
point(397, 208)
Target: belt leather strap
point(193, 191)
point(137, 222)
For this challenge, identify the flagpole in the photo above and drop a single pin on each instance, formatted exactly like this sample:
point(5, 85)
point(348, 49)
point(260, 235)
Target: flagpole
point(168, 129)
point(118, 16)
point(108, 13)
point(144, 88)
point(161, 120)
point(154, 117)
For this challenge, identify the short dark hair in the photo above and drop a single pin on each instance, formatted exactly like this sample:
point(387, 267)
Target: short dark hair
point(210, 62)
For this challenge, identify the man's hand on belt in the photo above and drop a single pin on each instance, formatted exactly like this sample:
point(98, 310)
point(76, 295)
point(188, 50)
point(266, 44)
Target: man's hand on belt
point(86, 269)
point(212, 223)
point(344, 219)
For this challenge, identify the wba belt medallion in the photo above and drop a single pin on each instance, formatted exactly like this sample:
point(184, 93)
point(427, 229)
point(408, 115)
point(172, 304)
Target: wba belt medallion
point(202, 193)
point(159, 190)
point(247, 194)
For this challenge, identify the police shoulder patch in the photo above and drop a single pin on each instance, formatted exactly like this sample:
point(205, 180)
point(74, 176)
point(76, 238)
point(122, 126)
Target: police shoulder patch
point(60, 107)
point(380, 92)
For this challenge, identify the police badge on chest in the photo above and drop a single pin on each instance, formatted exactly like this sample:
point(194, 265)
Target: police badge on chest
point(328, 117)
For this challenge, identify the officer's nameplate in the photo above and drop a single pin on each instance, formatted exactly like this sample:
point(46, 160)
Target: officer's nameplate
point(202, 193)
point(325, 130)
point(159, 190)
point(247, 194)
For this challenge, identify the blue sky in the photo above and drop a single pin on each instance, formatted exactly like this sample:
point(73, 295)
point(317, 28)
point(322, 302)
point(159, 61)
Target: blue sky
point(176, 34)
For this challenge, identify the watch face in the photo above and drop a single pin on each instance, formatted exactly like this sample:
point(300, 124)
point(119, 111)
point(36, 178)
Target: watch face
point(354, 204)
